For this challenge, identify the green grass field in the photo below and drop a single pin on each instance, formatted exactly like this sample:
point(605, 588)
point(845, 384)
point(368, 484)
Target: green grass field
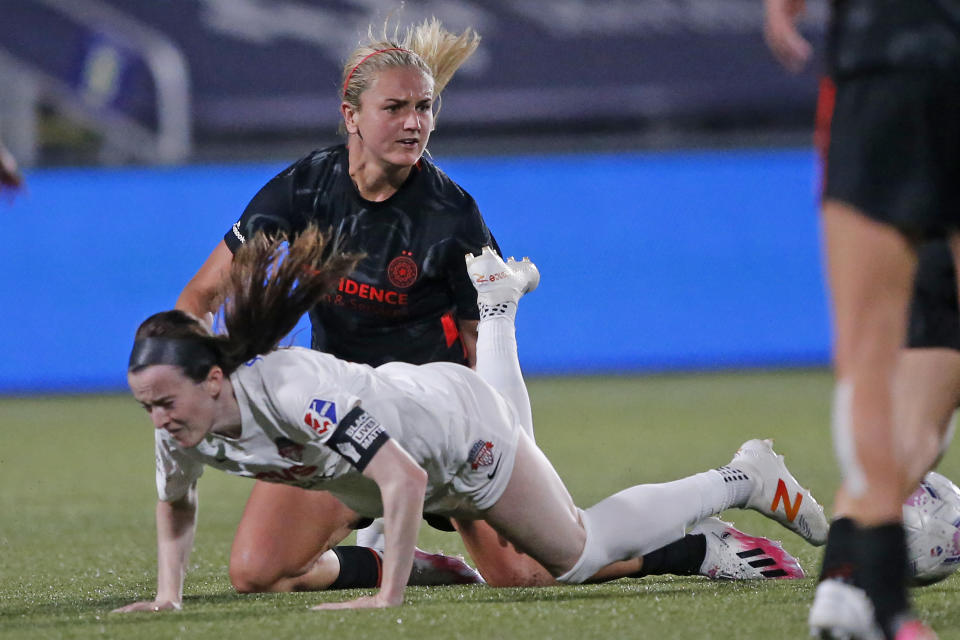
point(77, 536)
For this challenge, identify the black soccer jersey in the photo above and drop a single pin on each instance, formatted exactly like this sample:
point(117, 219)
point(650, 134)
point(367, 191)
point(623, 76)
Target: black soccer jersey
point(871, 35)
point(402, 301)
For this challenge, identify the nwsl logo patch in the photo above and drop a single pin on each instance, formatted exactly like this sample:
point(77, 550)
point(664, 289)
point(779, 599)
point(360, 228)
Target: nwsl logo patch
point(320, 416)
point(481, 454)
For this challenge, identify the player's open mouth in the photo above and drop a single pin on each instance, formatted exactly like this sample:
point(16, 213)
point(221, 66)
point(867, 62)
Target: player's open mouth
point(409, 142)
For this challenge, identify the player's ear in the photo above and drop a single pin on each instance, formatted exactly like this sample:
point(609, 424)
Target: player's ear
point(214, 381)
point(349, 117)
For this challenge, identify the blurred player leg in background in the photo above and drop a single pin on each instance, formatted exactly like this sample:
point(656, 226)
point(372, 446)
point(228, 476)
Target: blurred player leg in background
point(886, 395)
point(871, 267)
point(890, 149)
point(927, 385)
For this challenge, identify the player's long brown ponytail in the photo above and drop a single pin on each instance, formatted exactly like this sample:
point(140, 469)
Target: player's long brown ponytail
point(269, 287)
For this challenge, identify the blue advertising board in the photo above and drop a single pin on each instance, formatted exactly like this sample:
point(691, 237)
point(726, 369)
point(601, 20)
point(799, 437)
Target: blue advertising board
point(650, 261)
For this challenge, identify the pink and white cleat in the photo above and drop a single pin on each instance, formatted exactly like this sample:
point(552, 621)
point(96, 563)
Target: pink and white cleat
point(735, 555)
point(433, 569)
point(915, 630)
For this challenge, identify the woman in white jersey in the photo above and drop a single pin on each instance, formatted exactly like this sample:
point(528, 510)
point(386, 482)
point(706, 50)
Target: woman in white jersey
point(402, 440)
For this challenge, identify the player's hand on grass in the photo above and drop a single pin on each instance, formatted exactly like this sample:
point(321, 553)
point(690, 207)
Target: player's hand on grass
point(153, 606)
point(377, 601)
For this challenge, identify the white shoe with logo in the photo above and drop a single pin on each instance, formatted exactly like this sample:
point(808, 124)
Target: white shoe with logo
point(734, 555)
point(497, 281)
point(842, 611)
point(778, 495)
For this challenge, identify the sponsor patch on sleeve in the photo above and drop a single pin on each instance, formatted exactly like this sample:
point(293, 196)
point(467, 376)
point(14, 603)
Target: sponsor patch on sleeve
point(357, 437)
point(320, 416)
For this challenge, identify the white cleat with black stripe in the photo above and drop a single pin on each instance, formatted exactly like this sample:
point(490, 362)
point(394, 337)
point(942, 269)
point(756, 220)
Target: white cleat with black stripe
point(735, 555)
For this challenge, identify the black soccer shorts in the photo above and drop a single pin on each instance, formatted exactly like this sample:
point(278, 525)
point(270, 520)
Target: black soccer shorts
point(893, 150)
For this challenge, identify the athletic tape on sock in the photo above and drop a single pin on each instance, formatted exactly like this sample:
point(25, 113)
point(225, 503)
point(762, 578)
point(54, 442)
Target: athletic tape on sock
point(845, 448)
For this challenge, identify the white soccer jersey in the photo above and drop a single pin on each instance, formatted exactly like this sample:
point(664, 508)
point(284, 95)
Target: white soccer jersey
point(313, 421)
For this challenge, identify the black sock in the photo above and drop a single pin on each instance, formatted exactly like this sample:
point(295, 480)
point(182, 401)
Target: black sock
point(882, 571)
point(360, 568)
point(682, 558)
point(840, 554)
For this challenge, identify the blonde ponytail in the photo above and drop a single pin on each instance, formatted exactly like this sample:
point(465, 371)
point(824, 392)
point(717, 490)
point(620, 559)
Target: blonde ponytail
point(443, 51)
point(427, 46)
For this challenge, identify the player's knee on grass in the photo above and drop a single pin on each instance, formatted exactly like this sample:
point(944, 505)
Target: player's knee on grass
point(246, 579)
point(251, 573)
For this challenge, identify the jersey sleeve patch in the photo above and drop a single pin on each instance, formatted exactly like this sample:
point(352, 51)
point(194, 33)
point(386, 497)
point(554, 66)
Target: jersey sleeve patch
point(357, 437)
point(320, 416)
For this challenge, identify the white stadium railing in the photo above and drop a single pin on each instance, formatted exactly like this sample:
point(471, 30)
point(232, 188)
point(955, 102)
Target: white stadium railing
point(125, 138)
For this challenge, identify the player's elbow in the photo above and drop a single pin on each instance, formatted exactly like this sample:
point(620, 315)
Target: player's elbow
point(415, 479)
point(409, 485)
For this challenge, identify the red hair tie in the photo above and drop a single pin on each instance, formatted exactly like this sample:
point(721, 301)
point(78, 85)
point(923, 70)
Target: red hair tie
point(364, 59)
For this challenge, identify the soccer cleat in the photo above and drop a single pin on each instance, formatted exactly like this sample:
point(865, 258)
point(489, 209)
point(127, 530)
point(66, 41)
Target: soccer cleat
point(433, 569)
point(527, 271)
point(915, 630)
point(777, 494)
point(734, 555)
point(842, 611)
point(497, 281)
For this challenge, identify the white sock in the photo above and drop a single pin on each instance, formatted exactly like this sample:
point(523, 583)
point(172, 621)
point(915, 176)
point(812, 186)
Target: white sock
point(507, 309)
point(738, 485)
point(643, 518)
point(498, 363)
point(372, 536)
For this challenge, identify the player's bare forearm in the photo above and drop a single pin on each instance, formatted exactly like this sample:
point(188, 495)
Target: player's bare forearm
point(202, 294)
point(402, 493)
point(402, 484)
point(176, 525)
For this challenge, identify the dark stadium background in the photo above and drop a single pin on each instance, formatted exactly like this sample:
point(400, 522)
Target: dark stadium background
point(650, 156)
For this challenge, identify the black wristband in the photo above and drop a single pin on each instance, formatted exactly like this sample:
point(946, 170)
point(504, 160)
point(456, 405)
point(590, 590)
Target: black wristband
point(358, 437)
